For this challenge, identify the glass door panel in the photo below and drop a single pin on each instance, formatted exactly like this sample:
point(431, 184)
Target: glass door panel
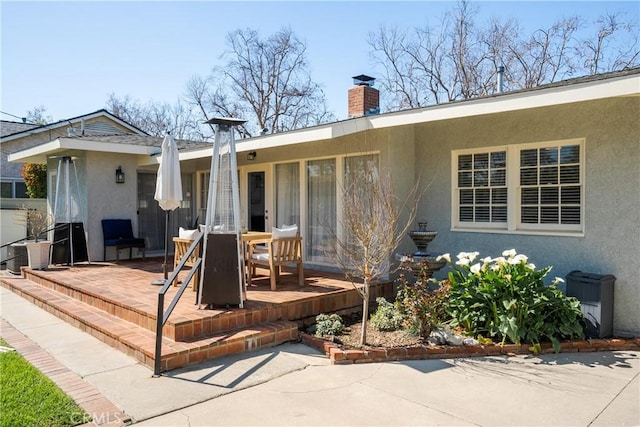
point(321, 209)
point(257, 209)
point(287, 194)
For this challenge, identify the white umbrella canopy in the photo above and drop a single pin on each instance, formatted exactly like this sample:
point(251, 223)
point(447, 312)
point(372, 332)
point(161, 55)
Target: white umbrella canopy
point(169, 183)
point(168, 190)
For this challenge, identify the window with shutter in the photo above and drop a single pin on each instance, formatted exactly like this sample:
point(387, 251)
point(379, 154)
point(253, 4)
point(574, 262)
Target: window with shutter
point(482, 187)
point(519, 188)
point(550, 187)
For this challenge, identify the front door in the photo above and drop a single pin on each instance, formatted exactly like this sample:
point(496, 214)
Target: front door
point(257, 209)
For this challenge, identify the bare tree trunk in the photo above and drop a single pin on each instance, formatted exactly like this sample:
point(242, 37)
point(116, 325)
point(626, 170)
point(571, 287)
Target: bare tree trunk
point(365, 312)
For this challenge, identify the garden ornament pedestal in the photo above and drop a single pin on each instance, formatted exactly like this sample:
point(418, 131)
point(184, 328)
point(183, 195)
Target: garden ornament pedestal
point(422, 237)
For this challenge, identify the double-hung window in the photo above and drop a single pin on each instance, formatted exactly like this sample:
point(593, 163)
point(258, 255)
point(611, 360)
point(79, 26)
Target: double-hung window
point(482, 188)
point(525, 188)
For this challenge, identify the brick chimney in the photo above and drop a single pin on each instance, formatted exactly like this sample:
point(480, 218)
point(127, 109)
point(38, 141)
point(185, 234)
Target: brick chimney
point(364, 100)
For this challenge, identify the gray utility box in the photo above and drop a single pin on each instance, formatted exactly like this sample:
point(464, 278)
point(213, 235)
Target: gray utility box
point(17, 257)
point(595, 293)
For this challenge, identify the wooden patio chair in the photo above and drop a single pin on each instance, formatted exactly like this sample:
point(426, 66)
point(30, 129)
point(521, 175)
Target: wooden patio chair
point(181, 247)
point(280, 251)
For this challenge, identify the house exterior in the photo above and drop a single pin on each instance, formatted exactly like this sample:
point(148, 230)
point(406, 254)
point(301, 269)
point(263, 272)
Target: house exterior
point(553, 172)
point(19, 136)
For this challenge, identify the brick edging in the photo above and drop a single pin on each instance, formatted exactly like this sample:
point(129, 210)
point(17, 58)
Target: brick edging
point(338, 356)
point(88, 397)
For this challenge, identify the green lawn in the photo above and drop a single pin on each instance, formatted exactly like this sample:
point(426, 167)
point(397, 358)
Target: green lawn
point(29, 398)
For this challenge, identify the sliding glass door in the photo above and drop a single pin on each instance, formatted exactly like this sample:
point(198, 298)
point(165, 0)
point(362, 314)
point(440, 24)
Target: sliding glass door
point(321, 209)
point(287, 194)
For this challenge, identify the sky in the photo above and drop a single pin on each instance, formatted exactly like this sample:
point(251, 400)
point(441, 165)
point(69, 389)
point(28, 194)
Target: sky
point(69, 56)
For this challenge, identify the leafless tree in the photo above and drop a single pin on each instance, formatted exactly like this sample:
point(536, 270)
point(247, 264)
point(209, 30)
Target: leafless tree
point(546, 56)
point(602, 52)
point(158, 118)
point(458, 59)
point(37, 116)
point(266, 81)
point(374, 222)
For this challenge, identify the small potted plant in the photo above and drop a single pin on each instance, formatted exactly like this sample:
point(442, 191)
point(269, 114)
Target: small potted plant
point(38, 247)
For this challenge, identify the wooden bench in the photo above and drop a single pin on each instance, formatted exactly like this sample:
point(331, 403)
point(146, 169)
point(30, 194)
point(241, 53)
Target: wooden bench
point(118, 233)
point(280, 251)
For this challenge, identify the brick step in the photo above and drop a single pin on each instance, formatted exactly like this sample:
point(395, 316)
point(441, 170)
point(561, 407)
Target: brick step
point(139, 342)
point(179, 327)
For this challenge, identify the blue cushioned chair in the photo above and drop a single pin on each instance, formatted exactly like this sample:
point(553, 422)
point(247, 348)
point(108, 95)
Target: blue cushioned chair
point(119, 234)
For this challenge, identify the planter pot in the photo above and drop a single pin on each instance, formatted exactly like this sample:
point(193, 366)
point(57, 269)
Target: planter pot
point(38, 254)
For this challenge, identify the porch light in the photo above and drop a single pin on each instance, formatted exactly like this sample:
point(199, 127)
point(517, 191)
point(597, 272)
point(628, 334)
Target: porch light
point(119, 175)
point(251, 155)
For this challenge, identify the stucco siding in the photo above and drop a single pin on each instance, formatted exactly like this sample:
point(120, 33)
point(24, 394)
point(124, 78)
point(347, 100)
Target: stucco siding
point(611, 241)
point(106, 199)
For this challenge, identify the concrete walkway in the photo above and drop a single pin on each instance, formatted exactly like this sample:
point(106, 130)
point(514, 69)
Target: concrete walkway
point(292, 384)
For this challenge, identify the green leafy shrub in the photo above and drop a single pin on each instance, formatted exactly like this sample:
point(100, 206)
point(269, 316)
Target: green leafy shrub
point(35, 179)
point(421, 307)
point(328, 324)
point(386, 317)
point(506, 298)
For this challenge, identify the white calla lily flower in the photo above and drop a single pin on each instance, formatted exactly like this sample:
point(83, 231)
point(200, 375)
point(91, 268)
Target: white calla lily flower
point(509, 253)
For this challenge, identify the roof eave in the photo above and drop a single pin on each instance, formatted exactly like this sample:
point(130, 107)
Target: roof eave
point(625, 85)
point(41, 153)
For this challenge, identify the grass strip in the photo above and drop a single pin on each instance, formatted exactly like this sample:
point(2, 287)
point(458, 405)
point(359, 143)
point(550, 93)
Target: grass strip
point(30, 398)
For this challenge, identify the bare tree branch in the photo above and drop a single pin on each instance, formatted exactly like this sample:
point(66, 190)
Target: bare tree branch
point(373, 224)
point(157, 118)
point(266, 81)
point(458, 59)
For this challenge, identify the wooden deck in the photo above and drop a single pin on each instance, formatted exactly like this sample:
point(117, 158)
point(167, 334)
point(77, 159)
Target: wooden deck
point(117, 303)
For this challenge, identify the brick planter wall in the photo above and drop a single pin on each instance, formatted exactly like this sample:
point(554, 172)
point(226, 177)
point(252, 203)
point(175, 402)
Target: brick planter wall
point(339, 356)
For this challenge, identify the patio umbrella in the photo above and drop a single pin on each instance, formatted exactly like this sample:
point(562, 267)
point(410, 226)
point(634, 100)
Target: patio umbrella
point(168, 187)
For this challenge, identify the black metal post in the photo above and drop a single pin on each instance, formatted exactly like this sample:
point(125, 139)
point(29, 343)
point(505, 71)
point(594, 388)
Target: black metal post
point(159, 324)
point(166, 246)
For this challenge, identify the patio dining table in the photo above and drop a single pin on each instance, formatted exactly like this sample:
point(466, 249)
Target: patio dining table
point(255, 235)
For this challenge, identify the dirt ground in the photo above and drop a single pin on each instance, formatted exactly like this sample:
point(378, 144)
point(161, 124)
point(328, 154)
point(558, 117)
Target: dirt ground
point(381, 339)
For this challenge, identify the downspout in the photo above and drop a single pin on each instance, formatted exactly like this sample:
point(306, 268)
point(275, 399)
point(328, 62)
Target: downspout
point(500, 79)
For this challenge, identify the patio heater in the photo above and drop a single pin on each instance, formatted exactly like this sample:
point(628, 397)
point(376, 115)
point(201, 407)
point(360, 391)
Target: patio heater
point(69, 243)
point(222, 278)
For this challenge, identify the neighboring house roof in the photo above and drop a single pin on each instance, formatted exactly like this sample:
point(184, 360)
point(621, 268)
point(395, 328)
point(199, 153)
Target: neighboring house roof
point(9, 127)
point(94, 128)
point(142, 140)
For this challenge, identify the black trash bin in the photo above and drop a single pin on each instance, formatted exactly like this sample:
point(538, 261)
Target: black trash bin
point(595, 293)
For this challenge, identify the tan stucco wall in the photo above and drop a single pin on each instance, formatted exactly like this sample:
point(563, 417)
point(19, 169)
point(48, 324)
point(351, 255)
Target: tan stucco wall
point(611, 242)
point(101, 197)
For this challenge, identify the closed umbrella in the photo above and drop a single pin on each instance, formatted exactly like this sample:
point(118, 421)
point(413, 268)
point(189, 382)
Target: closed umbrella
point(168, 187)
